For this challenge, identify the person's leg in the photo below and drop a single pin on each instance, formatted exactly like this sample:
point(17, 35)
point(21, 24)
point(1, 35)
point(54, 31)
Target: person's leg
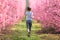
point(30, 24)
point(27, 25)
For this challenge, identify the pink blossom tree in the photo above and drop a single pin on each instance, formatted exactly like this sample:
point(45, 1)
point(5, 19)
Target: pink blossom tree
point(10, 12)
point(47, 12)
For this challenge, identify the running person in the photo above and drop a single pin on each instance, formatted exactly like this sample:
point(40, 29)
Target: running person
point(29, 20)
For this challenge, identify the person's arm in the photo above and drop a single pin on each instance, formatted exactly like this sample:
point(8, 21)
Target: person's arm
point(32, 15)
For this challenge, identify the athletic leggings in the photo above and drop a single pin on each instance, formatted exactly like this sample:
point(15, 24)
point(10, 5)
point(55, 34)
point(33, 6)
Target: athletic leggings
point(29, 24)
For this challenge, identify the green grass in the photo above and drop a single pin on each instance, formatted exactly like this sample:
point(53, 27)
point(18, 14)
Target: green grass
point(19, 32)
point(23, 31)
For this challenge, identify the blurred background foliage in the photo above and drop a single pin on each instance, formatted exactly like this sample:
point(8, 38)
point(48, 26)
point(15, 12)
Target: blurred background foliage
point(19, 32)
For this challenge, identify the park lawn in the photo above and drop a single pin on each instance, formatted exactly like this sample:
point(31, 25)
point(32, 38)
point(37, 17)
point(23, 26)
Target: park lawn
point(19, 32)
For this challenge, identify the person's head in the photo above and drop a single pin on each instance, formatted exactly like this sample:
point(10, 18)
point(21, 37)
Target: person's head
point(28, 9)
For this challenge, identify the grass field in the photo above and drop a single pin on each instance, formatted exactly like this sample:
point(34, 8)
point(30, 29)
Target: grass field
point(19, 32)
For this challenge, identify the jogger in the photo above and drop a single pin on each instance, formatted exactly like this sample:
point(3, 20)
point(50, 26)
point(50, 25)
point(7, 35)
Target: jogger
point(29, 20)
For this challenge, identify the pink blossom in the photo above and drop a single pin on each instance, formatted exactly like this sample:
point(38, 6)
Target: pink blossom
point(11, 11)
point(47, 11)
